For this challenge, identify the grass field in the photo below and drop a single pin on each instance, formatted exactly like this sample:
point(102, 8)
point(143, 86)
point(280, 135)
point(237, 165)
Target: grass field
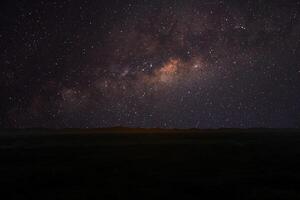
point(150, 164)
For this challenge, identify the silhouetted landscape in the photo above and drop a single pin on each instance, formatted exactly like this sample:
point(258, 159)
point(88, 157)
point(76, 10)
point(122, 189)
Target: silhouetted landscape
point(122, 163)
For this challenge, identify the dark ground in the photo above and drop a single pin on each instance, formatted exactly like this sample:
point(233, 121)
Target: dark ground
point(89, 164)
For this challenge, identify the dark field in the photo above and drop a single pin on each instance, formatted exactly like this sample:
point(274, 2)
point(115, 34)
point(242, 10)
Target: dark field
point(150, 164)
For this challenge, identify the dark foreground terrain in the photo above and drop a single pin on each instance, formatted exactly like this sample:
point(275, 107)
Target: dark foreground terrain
point(149, 164)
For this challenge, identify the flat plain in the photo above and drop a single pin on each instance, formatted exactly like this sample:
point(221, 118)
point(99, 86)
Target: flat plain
point(122, 163)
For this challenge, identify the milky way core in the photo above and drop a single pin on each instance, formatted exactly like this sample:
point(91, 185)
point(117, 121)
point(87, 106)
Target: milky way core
point(171, 64)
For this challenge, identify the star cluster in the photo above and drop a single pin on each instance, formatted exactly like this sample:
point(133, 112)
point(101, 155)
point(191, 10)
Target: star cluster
point(171, 64)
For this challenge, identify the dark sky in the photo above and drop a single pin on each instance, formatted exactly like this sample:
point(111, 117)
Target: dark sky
point(183, 64)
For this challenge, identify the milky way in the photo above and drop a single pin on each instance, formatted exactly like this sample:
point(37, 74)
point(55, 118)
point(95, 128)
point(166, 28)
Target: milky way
point(172, 64)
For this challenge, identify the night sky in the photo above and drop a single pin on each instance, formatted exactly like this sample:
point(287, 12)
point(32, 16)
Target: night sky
point(169, 64)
